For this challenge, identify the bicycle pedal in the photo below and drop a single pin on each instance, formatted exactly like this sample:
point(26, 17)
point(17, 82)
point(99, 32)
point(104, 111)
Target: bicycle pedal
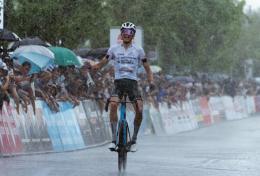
point(128, 148)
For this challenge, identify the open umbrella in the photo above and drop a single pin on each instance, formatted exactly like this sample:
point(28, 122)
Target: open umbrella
point(80, 59)
point(38, 62)
point(6, 35)
point(34, 49)
point(29, 41)
point(64, 56)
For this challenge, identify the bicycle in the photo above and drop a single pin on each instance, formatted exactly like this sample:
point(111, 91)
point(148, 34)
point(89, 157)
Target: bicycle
point(123, 140)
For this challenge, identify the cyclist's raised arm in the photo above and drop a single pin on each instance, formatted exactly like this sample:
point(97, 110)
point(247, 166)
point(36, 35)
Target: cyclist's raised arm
point(102, 63)
point(149, 74)
point(146, 65)
point(148, 70)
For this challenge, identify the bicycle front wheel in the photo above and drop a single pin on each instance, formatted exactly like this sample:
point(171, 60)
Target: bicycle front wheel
point(122, 160)
point(122, 146)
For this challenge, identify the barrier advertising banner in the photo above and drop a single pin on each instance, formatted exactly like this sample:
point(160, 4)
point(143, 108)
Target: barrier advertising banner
point(10, 141)
point(169, 118)
point(63, 128)
point(33, 130)
point(98, 129)
point(195, 105)
point(52, 120)
point(250, 102)
point(192, 116)
point(240, 107)
point(84, 124)
point(70, 121)
point(230, 112)
point(156, 119)
point(217, 109)
point(207, 119)
point(75, 128)
point(257, 103)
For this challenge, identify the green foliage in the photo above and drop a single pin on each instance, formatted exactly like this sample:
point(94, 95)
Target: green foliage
point(198, 35)
point(192, 34)
point(74, 21)
point(247, 47)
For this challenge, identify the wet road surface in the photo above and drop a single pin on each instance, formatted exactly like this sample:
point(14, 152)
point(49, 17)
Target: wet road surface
point(227, 149)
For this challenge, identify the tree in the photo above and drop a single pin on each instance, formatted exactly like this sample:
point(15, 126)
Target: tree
point(74, 21)
point(189, 33)
point(247, 46)
point(198, 35)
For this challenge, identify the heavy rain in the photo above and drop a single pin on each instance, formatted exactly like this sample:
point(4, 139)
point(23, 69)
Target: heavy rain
point(129, 88)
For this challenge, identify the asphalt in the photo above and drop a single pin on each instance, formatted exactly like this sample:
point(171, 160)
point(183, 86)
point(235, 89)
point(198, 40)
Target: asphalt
point(227, 149)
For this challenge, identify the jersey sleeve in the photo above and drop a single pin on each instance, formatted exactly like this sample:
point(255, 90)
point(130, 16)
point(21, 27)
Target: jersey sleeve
point(142, 55)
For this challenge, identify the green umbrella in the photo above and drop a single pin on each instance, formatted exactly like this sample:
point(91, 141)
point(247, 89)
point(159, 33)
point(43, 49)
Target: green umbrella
point(64, 56)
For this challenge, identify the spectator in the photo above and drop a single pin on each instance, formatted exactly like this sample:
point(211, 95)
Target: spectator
point(4, 84)
point(23, 82)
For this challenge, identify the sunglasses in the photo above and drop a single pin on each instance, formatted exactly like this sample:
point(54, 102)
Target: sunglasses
point(128, 32)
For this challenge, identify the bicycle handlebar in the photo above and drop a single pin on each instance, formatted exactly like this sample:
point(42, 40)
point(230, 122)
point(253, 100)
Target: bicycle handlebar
point(120, 101)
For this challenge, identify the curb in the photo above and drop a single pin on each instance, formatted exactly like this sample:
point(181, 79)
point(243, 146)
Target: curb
point(52, 152)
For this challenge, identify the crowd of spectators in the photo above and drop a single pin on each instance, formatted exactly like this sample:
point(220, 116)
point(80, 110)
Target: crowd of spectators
point(52, 85)
point(174, 92)
point(73, 84)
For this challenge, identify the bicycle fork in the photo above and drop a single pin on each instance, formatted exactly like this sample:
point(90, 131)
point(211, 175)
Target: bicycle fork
point(123, 133)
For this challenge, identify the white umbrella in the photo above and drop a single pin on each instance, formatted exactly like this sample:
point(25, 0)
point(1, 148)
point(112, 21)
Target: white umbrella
point(34, 49)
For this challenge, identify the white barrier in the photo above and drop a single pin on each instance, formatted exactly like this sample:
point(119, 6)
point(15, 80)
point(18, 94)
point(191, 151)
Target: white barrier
point(75, 128)
point(250, 104)
point(198, 117)
point(230, 112)
point(178, 118)
point(192, 116)
point(169, 119)
point(240, 107)
point(217, 109)
point(156, 120)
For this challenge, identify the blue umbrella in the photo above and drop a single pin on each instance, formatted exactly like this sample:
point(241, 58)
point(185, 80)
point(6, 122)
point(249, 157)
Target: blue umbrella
point(34, 49)
point(38, 62)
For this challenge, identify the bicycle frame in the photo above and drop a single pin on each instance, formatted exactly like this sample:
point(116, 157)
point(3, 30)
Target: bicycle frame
point(123, 138)
point(123, 121)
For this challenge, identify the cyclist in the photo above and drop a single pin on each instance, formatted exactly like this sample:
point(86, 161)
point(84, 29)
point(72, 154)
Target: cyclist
point(126, 60)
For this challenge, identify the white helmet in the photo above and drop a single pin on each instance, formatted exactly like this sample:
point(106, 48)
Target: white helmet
point(128, 25)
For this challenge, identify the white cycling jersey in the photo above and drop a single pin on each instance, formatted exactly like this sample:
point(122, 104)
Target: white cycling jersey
point(126, 61)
